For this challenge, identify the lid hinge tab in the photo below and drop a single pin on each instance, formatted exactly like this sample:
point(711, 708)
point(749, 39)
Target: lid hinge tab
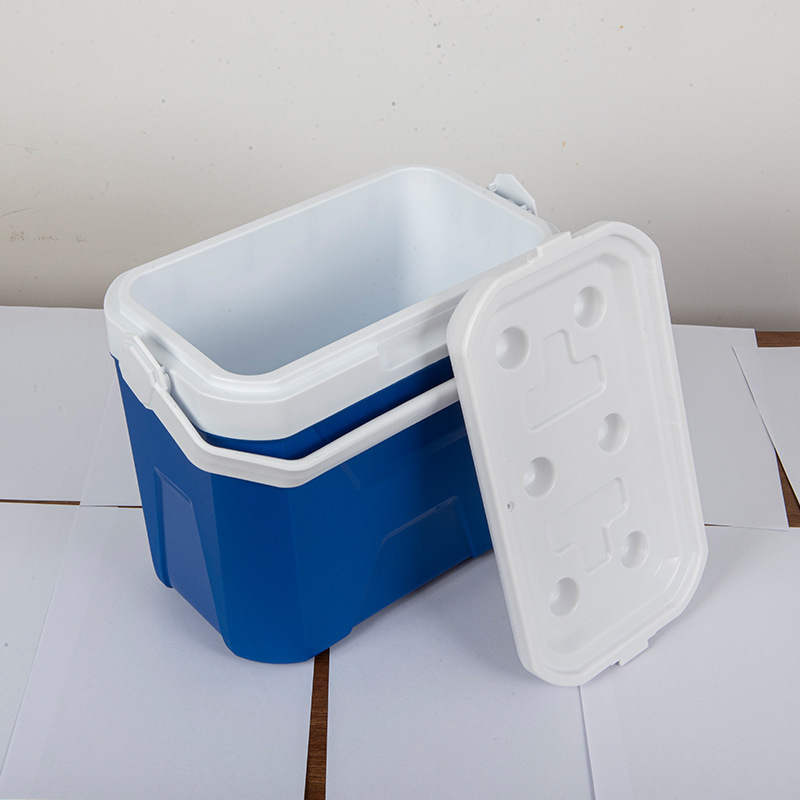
point(509, 188)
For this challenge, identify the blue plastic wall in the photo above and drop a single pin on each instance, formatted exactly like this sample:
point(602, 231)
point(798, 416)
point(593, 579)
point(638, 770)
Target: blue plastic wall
point(283, 574)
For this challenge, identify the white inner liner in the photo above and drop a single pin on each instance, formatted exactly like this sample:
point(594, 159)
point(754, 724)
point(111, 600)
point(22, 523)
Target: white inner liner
point(259, 301)
point(276, 325)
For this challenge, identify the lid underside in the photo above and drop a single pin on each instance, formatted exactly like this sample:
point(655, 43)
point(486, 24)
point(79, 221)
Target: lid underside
point(567, 376)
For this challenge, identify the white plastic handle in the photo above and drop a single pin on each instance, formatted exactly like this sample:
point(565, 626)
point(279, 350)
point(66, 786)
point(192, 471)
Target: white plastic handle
point(150, 383)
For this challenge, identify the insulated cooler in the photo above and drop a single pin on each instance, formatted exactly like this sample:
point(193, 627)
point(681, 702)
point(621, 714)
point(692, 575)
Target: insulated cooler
point(302, 454)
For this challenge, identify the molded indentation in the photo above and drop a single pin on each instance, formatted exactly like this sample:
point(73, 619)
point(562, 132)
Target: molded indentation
point(589, 307)
point(612, 433)
point(634, 550)
point(183, 553)
point(511, 348)
point(539, 477)
point(564, 597)
point(584, 524)
point(566, 382)
point(414, 554)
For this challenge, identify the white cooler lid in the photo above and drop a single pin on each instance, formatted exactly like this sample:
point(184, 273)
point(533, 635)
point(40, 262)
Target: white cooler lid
point(567, 377)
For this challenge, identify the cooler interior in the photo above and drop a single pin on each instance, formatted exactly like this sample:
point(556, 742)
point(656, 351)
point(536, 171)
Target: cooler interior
point(261, 299)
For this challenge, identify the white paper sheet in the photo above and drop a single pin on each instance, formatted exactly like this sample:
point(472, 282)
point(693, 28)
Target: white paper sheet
point(711, 709)
point(133, 695)
point(112, 478)
point(56, 372)
point(429, 699)
point(773, 374)
point(737, 472)
point(32, 542)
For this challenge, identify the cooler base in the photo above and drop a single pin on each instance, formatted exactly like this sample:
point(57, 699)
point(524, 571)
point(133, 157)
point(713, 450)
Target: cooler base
point(283, 574)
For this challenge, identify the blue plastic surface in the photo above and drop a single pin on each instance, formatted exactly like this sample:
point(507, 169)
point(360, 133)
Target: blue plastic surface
point(283, 574)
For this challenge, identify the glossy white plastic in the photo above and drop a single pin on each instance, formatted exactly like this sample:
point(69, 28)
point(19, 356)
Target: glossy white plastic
point(149, 381)
point(567, 377)
point(269, 328)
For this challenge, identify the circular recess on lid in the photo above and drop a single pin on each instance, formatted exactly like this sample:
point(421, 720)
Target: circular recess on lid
point(511, 348)
point(634, 550)
point(612, 433)
point(539, 477)
point(564, 597)
point(589, 307)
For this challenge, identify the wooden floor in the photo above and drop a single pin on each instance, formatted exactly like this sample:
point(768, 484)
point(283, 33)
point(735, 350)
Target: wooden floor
point(318, 732)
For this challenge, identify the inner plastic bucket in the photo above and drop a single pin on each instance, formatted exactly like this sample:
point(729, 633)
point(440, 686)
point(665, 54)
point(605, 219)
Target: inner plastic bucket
point(270, 328)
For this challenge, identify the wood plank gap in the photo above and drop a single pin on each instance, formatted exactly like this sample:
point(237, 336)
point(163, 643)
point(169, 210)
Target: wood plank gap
point(778, 338)
point(789, 498)
point(318, 730)
point(105, 505)
point(44, 502)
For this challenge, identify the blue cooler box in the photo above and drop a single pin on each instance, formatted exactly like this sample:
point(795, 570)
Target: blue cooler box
point(299, 446)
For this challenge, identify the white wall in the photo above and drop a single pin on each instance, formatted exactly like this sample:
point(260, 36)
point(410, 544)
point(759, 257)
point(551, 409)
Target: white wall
point(131, 129)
